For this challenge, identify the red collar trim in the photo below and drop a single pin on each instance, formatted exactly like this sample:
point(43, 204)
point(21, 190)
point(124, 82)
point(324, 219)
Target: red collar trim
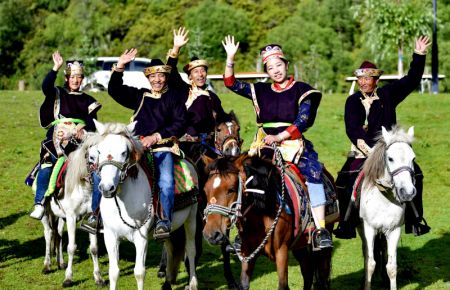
point(277, 88)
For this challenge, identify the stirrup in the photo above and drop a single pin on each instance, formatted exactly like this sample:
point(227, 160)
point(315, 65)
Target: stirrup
point(420, 229)
point(321, 239)
point(162, 232)
point(89, 225)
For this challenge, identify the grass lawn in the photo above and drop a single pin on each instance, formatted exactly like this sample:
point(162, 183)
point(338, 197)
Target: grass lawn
point(424, 262)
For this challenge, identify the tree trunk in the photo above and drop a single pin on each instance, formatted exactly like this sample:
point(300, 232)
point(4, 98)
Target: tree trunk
point(400, 60)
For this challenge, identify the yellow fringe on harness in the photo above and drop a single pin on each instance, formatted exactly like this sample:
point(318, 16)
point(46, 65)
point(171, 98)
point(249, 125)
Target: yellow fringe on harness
point(291, 150)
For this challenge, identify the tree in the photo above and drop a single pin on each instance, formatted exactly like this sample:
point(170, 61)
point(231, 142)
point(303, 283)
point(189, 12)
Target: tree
point(393, 25)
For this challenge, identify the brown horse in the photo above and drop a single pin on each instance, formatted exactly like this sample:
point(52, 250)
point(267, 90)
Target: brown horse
point(243, 192)
point(227, 139)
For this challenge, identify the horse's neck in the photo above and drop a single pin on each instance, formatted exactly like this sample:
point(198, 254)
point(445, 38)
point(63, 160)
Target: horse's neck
point(385, 180)
point(132, 188)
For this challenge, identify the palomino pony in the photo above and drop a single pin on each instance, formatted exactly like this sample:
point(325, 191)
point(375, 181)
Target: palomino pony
point(127, 209)
point(260, 214)
point(75, 203)
point(388, 183)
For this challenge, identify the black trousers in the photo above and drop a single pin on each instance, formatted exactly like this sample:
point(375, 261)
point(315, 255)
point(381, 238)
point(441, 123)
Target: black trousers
point(344, 185)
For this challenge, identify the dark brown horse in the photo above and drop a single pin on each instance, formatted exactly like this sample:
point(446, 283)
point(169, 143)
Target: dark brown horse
point(243, 192)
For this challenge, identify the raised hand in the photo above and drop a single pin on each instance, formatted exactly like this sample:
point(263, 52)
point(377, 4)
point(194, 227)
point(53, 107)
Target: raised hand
point(422, 44)
point(126, 57)
point(230, 46)
point(57, 60)
point(180, 37)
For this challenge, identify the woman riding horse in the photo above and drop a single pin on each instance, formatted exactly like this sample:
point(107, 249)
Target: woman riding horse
point(285, 109)
point(66, 113)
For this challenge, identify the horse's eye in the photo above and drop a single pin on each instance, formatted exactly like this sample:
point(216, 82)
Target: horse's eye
point(230, 191)
point(124, 154)
point(390, 159)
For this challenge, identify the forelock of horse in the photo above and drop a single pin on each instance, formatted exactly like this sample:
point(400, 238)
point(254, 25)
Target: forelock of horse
point(136, 148)
point(376, 162)
point(222, 166)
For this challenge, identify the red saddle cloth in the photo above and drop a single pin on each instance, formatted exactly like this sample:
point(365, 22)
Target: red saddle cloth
point(61, 175)
point(300, 207)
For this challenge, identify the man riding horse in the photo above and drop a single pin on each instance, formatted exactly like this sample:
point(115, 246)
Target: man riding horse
point(160, 116)
point(66, 113)
point(365, 113)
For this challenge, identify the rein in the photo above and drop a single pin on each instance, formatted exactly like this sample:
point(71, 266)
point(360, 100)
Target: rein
point(150, 209)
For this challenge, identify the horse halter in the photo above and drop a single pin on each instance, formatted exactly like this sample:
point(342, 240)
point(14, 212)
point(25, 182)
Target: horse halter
point(233, 212)
point(402, 168)
point(122, 166)
point(229, 137)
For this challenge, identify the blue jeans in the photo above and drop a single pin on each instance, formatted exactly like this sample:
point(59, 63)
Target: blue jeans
point(96, 194)
point(166, 182)
point(42, 181)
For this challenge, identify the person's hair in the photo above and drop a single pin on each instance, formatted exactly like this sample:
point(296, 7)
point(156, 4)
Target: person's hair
point(286, 62)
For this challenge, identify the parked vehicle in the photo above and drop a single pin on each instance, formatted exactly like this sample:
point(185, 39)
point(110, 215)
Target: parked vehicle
point(133, 74)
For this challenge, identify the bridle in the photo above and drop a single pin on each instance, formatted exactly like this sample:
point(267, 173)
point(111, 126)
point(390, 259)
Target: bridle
point(229, 137)
point(233, 212)
point(390, 188)
point(123, 167)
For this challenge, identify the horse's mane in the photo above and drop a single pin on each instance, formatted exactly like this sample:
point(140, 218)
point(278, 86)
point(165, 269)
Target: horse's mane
point(222, 166)
point(77, 168)
point(227, 117)
point(121, 129)
point(265, 177)
point(375, 164)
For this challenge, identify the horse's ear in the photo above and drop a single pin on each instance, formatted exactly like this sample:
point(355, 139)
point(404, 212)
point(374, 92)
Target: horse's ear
point(238, 162)
point(100, 127)
point(207, 160)
point(386, 135)
point(411, 132)
point(130, 127)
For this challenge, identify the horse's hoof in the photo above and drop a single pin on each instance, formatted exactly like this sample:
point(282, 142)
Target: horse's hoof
point(67, 283)
point(46, 271)
point(161, 274)
point(234, 286)
point(101, 283)
point(63, 266)
point(166, 286)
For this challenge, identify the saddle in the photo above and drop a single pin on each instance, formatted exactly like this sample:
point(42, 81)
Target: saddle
point(186, 183)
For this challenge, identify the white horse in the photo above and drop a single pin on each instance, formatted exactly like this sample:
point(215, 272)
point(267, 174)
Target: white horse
point(126, 206)
point(388, 183)
point(75, 203)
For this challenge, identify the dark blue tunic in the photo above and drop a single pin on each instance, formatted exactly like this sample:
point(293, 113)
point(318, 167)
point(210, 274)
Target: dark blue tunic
point(164, 115)
point(295, 105)
point(382, 111)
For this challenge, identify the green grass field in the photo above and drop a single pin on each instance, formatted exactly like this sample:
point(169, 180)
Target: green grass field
point(424, 262)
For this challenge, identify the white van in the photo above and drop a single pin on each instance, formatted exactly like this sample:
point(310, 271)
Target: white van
point(133, 75)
